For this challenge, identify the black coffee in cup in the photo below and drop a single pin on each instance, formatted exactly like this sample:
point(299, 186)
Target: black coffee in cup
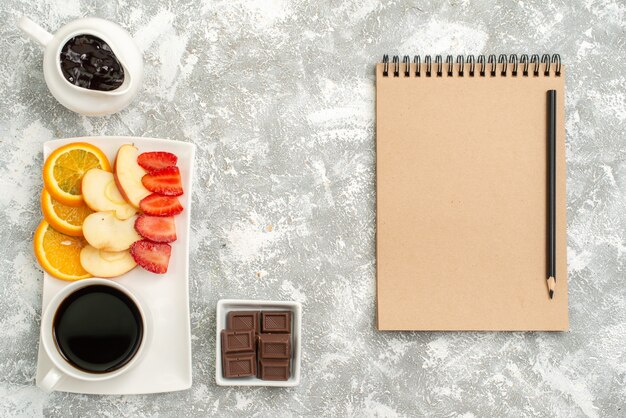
point(98, 329)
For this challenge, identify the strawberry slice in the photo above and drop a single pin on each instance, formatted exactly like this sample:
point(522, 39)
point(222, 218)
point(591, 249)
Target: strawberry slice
point(154, 160)
point(158, 205)
point(152, 256)
point(165, 181)
point(156, 228)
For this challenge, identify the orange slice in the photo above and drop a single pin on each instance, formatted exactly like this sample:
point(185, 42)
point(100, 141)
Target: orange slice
point(65, 219)
point(59, 254)
point(65, 167)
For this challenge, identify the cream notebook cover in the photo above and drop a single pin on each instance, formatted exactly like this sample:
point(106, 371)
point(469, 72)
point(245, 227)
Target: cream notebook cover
point(462, 187)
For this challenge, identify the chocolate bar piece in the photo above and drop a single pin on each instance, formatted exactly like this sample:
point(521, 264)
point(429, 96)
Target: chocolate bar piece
point(239, 365)
point(276, 322)
point(237, 341)
point(274, 369)
point(275, 346)
point(243, 320)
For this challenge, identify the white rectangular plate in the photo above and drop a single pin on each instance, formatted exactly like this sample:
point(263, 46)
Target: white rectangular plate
point(226, 305)
point(166, 364)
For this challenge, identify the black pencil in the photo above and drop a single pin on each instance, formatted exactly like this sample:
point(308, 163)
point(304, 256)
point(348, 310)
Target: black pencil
point(551, 192)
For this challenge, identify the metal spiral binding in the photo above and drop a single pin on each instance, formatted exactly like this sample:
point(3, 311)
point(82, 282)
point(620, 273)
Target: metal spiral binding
point(472, 62)
point(396, 66)
point(385, 65)
point(460, 59)
point(439, 63)
point(534, 59)
point(492, 60)
point(552, 65)
point(503, 60)
point(524, 60)
point(513, 60)
point(545, 59)
point(556, 60)
point(481, 61)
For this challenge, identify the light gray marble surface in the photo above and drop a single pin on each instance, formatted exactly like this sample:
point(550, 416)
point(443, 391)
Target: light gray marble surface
point(279, 96)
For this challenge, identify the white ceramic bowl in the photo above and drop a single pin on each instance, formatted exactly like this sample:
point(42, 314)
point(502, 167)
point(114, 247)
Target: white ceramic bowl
point(81, 100)
point(226, 305)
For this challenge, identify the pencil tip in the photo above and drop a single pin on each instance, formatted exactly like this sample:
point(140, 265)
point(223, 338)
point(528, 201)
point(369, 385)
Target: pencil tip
point(551, 285)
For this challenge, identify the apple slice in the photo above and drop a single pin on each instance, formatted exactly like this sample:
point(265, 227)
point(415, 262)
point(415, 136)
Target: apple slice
point(101, 194)
point(104, 231)
point(101, 263)
point(128, 175)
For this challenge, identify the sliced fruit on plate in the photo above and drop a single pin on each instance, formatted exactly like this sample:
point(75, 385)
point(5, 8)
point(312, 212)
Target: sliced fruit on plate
point(104, 231)
point(128, 175)
point(154, 160)
point(165, 181)
point(59, 254)
point(152, 256)
point(101, 194)
point(158, 205)
point(65, 219)
point(64, 169)
point(156, 228)
point(102, 263)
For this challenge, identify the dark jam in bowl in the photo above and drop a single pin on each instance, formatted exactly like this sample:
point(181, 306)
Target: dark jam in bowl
point(87, 61)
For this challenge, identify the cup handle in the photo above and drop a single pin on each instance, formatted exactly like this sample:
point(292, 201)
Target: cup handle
point(51, 379)
point(34, 31)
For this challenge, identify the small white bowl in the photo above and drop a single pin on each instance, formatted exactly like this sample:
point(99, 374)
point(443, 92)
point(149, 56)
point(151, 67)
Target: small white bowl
point(227, 305)
point(81, 100)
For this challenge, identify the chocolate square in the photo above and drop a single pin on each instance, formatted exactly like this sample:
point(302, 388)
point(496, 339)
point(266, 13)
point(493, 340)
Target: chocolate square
point(243, 320)
point(274, 369)
point(276, 322)
point(239, 365)
point(237, 341)
point(274, 346)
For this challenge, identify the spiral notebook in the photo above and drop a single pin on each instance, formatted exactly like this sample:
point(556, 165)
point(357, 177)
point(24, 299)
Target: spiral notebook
point(462, 193)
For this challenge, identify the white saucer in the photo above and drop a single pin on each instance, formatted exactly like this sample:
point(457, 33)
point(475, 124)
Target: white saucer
point(166, 364)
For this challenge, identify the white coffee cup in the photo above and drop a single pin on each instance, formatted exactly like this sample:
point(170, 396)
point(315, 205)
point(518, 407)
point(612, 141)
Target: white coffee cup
point(61, 368)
